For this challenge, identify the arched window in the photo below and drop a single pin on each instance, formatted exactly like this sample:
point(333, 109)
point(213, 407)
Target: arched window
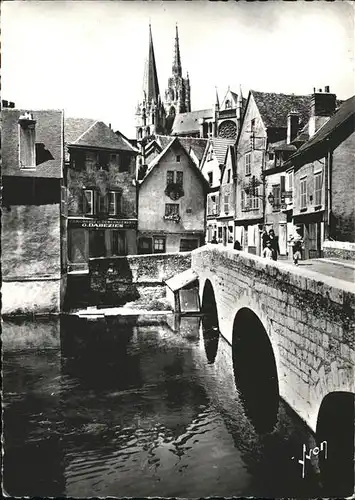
point(153, 118)
point(172, 111)
point(172, 96)
point(228, 104)
point(139, 133)
point(210, 126)
point(227, 130)
point(148, 130)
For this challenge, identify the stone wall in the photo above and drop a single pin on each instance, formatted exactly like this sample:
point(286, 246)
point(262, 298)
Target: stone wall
point(33, 279)
point(339, 250)
point(116, 280)
point(103, 181)
point(308, 317)
point(30, 238)
point(32, 296)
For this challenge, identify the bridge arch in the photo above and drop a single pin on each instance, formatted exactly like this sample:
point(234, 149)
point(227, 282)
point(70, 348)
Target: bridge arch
point(210, 323)
point(335, 434)
point(255, 369)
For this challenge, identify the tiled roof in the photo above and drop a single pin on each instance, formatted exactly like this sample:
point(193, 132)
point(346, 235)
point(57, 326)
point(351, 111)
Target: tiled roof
point(196, 144)
point(185, 123)
point(220, 147)
point(344, 113)
point(96, 135)
point(282, 146)
point(169, 142)
point(303, 135)
point(75, 128)
point(274, 108)
point(49, 142)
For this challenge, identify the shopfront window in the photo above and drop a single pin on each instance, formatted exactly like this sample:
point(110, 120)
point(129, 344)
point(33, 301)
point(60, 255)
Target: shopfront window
point(118, 243)
point(97, 247)
point(159, 245)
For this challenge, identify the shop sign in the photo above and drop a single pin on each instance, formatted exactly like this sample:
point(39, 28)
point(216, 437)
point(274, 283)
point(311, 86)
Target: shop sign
point(104, 224)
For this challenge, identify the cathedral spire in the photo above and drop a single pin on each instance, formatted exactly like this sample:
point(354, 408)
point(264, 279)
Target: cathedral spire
point(150, 84)
point(177, 60)
point(217, 100)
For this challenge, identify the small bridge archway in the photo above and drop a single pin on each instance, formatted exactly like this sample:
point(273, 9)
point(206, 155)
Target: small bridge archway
point(255, 369)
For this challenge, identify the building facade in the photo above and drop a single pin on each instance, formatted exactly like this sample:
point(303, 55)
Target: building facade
point(101, 197)
point(323, 177)
point(262, 148)
point(171, 202)
point(212, 169)
point(33, 215)
point(222, 120)
point(225, 218)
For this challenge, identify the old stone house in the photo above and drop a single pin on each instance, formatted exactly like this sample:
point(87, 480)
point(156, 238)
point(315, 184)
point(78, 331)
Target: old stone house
point(225, 218)
point(101, 199)
point(171, 201)
point(261, 149)
point(212, 168)
point(324, 177)
point(33, 232)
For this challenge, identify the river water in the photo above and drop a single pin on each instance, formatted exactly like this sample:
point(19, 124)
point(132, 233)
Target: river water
point(138, 407)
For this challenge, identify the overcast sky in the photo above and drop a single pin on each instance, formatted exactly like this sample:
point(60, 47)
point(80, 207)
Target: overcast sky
point(88, 57)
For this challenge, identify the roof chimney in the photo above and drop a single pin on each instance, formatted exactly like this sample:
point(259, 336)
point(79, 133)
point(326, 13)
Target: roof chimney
point(323, 105)
point(292, 126)
point(326, 88)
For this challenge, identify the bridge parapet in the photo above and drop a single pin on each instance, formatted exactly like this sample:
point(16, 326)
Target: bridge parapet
point(308, 317)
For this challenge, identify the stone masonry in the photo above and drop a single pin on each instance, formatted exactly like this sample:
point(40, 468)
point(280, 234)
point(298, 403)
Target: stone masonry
point(115, 280)
point(308, 317)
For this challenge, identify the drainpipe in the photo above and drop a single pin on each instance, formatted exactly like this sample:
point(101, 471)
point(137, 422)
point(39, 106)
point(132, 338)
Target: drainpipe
point(327, 197)
point(329, 190)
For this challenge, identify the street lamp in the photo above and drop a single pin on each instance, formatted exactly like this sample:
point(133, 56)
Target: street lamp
point(271, 199)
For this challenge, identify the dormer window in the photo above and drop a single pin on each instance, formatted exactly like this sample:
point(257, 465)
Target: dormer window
point(27, 141)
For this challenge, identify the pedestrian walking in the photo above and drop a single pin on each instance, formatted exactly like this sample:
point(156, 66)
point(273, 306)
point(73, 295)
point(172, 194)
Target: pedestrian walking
point(268, 252)
point(297, 244)
point(214, 240)
point(297, 252)
point(264, 237)
point(274, 240)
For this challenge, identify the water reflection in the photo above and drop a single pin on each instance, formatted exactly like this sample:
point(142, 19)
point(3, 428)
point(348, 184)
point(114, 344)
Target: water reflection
point(210, 338)
point(255, 370)
point(131, 407)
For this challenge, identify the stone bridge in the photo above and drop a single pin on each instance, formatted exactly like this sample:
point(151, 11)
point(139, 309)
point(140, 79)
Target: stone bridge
point(292, 335)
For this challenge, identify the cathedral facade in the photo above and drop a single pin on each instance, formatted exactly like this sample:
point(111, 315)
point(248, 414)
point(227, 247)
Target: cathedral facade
point(172, 115)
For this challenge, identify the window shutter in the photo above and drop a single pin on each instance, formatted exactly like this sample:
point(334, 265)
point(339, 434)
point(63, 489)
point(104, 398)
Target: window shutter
point(282, 182)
